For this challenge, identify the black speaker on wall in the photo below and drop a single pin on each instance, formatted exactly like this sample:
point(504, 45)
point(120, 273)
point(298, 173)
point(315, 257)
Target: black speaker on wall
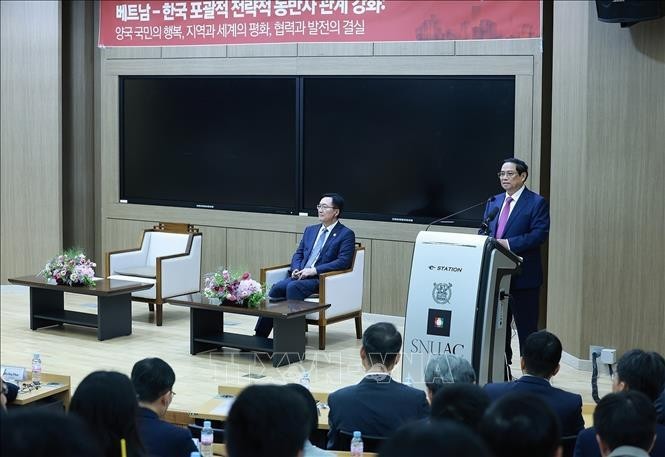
point(629, 12)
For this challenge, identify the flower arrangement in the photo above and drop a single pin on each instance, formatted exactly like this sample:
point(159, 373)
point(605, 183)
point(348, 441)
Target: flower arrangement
point(71, 268)
point(236, 288)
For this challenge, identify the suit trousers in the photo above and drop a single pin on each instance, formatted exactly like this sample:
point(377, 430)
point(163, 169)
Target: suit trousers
point(524, 307)
point(291, 289)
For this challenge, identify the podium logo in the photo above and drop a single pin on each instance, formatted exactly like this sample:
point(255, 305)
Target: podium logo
point(442, 292)
point(438, 322)
point(445, 268)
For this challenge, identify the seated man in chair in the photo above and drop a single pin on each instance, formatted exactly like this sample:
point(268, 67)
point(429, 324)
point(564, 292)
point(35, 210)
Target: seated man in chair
point(324, 247)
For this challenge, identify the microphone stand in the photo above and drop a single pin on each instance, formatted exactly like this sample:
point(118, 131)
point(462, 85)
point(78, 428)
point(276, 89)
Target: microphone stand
point(484, 202)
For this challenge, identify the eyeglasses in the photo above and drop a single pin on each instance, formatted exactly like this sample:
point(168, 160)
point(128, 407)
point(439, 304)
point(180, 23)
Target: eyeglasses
point(324, 207)
point(508, 174)
point(172, 393)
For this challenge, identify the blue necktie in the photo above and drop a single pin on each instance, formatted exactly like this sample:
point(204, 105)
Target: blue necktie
point(317, 248)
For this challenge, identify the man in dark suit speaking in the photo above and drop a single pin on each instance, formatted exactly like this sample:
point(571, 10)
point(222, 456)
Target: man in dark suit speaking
point(324, 247)
point(522, 226)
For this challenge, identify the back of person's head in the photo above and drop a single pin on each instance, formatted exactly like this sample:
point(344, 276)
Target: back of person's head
point(106, 402)
point(382, 344)
point(26, 432)
point(152, 378)
point(446, 369)
point(459, 402)
point(542, 354)
point(521, 425)
point(642, 371)
point(266, 421)
point(337, 201)
point(625, 419)
point(434, 439)
point(312, 411)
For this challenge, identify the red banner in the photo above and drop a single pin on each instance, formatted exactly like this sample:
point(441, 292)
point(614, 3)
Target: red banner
point(184, 23)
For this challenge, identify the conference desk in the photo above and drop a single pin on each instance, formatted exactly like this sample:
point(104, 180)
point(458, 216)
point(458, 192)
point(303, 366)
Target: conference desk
point(206, 328)
point(114, 305)
point(220, 450)
point(217, 409)
point(52, 387)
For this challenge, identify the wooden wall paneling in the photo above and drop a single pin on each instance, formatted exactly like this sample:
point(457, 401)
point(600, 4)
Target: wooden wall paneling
point(416, 65)
point(624, 289)
point(176, 52)
point(250, 250)
point(132, 53)
point(367, 272)
point(78, 131)
point(513, 47)
point(419, 48)
point(264, 50)
point(391, 267)
point(213, 248)
point(608, 102)
point(30, 145)
point(335, 49)
point(523, 125)
point(567, 176)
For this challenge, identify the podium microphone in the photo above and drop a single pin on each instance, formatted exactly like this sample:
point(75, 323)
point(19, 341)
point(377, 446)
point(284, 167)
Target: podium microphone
point(484, 202)
point(485, 226)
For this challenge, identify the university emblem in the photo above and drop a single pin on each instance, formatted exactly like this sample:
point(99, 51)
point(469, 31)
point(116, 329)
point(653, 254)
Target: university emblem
point(442, 292)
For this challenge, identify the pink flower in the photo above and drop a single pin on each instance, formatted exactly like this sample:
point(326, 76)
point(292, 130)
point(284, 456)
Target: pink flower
point(245, 275)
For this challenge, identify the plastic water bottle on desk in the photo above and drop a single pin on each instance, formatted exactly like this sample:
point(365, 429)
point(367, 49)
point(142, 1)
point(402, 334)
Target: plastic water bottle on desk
point(206, 440)
point(305, 381)
point(36, 369)
point(357, 445)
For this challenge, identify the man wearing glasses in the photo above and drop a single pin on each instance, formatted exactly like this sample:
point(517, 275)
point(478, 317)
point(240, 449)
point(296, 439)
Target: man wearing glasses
point(522, 227)
point(324, 247)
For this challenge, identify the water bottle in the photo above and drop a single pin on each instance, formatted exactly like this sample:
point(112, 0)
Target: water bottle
point(206, 440)
point(36, 369)
point(305, 381)
point(357, 445)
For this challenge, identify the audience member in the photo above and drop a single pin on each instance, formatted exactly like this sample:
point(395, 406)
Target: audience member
point(541, 354)
point(445, 369)
point(312, 419)
point(460, 402)
point(267, 421)
point(106, 401)
point(660, 408)
point(625, 424)
point(153, 381)
point(28, 432)
point(521, 425)
point(378, 405)
point(636, 370)
point(9, 393)
point(435, 439)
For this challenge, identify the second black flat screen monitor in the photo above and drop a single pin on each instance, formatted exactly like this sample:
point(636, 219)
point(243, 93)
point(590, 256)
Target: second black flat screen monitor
point(412, 149)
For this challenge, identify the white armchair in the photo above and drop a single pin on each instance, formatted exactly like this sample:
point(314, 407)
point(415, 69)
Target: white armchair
point(343, 290)
point(169, 258)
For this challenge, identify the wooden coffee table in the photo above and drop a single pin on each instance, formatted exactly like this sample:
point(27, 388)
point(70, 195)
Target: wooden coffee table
point(114, 305)
point(206, 330)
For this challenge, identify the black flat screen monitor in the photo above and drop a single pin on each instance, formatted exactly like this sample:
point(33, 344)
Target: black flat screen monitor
point(408, 149)
point(209, 142)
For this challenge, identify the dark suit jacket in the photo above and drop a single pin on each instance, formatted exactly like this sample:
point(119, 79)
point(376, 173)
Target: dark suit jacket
point(376, 406)
point(162, 439)
point(587, 446)
point(336, 254)
point(567, 405)
point(526, 229)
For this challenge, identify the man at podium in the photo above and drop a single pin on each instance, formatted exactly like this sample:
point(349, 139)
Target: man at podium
point(324, 247)
point(522, 226)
